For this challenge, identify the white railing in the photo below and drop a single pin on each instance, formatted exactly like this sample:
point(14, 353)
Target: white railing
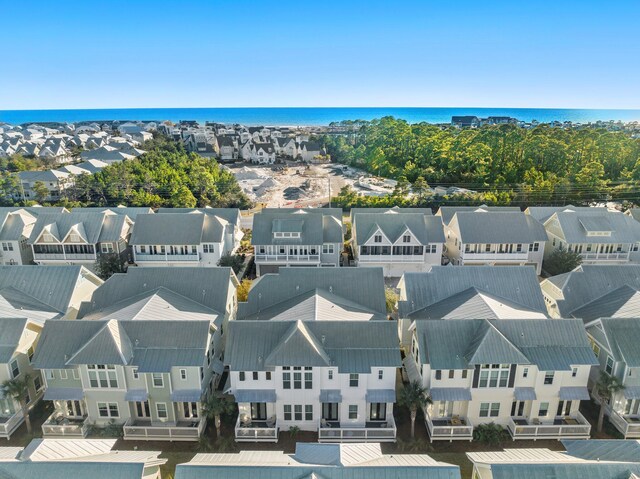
point(168, 432)
point(484, 256)
point(45, 256)
point(79, 256)
point(256, 434)
point(54, 426)
point(605, 256)
point(391, 258)
point(358, 433)
point(580, 430)
point(166, 257)
point(7, 428)
point(449, 432)
point(287, 258)
point(629, 426)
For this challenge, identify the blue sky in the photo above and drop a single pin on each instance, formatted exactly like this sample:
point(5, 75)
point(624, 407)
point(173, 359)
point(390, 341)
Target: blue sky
point(190, 53)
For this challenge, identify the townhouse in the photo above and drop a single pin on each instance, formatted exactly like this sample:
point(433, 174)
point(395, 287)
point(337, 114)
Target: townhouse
point(231, 215)
point(495, 237)
point(311, 152)
point(311, 460)
point(53, 180)
point(130, 211)
point(153, 350)
point(398, 239)
point(592, 291)
point(601, 458)
point(527, 375)
point(262, 153)
point(311, 348)
point(79, 238)
point(296, 237)
point(600, 236)
point(227, 148)
point(286, 147)
point(63, 458)
point(616, 344)
point(195, 238)
point(481, 292)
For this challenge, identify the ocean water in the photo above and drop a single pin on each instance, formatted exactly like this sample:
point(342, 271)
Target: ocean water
point(310, 116)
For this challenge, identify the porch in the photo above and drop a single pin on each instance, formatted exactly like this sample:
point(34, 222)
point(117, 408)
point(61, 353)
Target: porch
point(574, 426)
point(57, 425)
point(627, 424)
point(8, 424)
point(145, 430)
point(371, 431)
point(453, 428)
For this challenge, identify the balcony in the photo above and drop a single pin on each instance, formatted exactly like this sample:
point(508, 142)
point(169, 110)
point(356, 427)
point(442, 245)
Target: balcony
point(562, 427)
point(286, 258)
point(8, 424)
point(450, 429)
point(371, 431)
point(166, 258)
point(495, 256)
point(390, 258)
point(618, 256)
point(145, 430)
point(628, 425)
point(256, 431)
point(58, 425)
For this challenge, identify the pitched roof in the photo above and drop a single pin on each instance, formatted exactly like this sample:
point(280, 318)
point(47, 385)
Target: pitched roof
point(622, 336)
point(11, 330)
point(497, 227)
point(623, 302)
point(350, 288)
point(426, 228)
point(316, 226)
point(460, 344)
point(177, 229)
point(447, 212)
point(604, 450)
point(93, 227)
point(231, 215)
point(351, 346)
point(575, 226)
point(472, 290)
point(130, 211)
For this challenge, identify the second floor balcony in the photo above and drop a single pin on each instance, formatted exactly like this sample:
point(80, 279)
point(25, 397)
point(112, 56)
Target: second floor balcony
point(166, 257)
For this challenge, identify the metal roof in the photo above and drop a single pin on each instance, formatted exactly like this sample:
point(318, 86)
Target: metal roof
point(575, 226)
point(525, 394)
point(136, 395)
point(578, 393)
point(623, 335)
point(514, 285)
point(255, 395)
point(330, 395)
point(604, 450)
point(93, 227)
point(352, 288)
point(186, 395)
point(426, 228)
point(380, 395)
point(351, 346)
point(177, 229)
point(591, 470)
point(231, 215)
point(450, 394)
point(631, 392)
point(63, 394)
point(131, 211)
point(316, 226)
point(11, 330)
point(623, 302)
point(495, 228)
point(67, 469)
point(448, 212)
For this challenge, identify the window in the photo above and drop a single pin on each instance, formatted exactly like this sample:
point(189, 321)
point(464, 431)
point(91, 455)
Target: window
point(464, 374)
point(37, 383)
point(108, 409)
point(354, 379)
point(287, 412)
point(544, 409)
point(158, 380)
point(451, 373)
point(268, 375)
point(286, 378)
point(308, 378)
point(574, 372)
point(327, 249)
point(190, 410)
point(142, 409)
point(183, 374)
point(106, 248)
point(49, 374)
point(134, 371)
point(207, 248)
point(353, 411)
point(548, 377)
point(595, 347)
point(330, 374)
point(308, 412)
point(489, 409)
point(241, 376)
point(438, 374)
point(102, 376)
point(161, 409)
point(380, 374)
point(297, 412)
point(494, 375)
point(15, 369)
point(406, 238)
point(63, 374)
point(255, 375)
point(525, 372)
point(143, 249)
point(30, 353)
point(609, 366)
point(297, 377)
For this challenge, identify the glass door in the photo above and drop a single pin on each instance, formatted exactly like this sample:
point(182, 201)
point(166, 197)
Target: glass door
point(330, 411)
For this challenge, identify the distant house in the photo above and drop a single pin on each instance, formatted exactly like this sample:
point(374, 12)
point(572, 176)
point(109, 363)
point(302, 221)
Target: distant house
point(285, 147)
point(263, 154)
point(227, 150)
point(54, 180)
point(296, 237)
point(397, 239)
point(312, 153)
point(465, 121)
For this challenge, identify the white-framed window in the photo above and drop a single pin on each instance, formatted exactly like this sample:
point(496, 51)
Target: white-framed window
point(494, 376)
point(377, 239)
point(544, 409)
point(190, 410)
point(287, 412)
point(183, 374)
point(327, 249)
point(525, 372)
point(208, 248)
point(255, 375)
point(63, 374)
point(15, 369)
point(135, 373)
point(297, 412)
point(574, 372)
point(609, 365)
point(297, 377)
point(489, 409)
point(75, 374)
point(49, 374)
point(354, 380)
point(74, 238)
point(108, 409)
point(595, 347)
point(380, 374)
point(102, 376)
point(353, 411)
point(330, 374)
point(161, 410)
point(406, 238)
point(308, 412)
point(106, 248)
point(548, 377)
point(157, 380)
point(286, 377)
point(268, 375)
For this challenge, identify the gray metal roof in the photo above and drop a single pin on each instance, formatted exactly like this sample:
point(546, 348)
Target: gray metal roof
point(575, 225)
point(13, 226)
point(426, 228)
point(604, 450)
point(351, 346)
point(543, 213)
point(450, 394)
point(153, 346)
point(567, 470)
point(67, 469)
point(517, 285)
point(11, 330)
point(448, 212)
point(461, 344)
point(177, 229)
point(51, 285)
point(589, 282)
point(623, 335)
point(353, 289)
point(494, 228)
point(316, 225)
point(93, 227)
point(231, 215)
point(209, 287)
point(131, 211)
point(623, 302)
point(525, 394)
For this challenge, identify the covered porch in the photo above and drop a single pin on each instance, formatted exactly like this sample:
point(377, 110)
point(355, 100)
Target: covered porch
point(445, 418)
point(69, 418)
point(257, 420)
point(626, 415)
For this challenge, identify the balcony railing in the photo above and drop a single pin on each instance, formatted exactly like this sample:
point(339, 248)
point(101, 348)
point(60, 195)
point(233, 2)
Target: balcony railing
point(288, 258)
point(391, 258)
point(448, 428)
point(64, 257)
point(9, 424)
point(378, 431)
point(495, 256)
point(562, 427)
point(166, 257)
point(144, 430)
point(59, 426)
point(256, 431)
point(628, 425)
point(622, 255)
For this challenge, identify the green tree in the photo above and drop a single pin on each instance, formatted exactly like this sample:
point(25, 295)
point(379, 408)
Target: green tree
point(183, 198)
point(235, 262)
point(562, 261)
point(605, 388)
point(18, 389)
point(413, 396)
point(108, 264)
point(214, 408)
point(391, 299)
point(41, 191)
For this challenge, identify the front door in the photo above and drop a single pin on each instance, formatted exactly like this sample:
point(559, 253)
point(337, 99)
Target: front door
point(74, 409)
point(330, 411)
point(378, 411)
point(259, 411)
point(517, 409)
point(142, 409)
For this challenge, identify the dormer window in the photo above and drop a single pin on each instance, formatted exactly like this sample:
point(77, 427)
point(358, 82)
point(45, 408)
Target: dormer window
point(377, 239)
point(74, 238)
point(406, 239)
point(47, 238)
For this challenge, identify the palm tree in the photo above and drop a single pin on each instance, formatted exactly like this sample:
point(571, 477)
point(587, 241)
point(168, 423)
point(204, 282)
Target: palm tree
point(605, 389)
point(414, 397)
point(18, 389)
point(214, 407)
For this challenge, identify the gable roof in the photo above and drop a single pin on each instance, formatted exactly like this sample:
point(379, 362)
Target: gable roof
point(352, 289)
point(425, 228)
point(177, 229)
point(231, 215)
point(94, 227)
point(351, 346)
point(622, 336)
point(516, 287)
point(316, 226)
point(11, 330)
point(497, 227)
point(576, 224)
point(460, 344)
point(604, 450)
point(131, 211)
point(448, 212)
point(623, 302)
